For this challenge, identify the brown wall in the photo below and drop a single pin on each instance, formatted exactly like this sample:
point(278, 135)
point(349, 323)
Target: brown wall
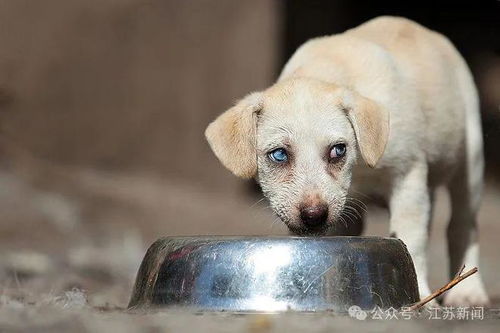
point(131, 84)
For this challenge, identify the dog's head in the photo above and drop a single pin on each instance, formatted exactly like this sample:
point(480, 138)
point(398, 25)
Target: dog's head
point(300, 139)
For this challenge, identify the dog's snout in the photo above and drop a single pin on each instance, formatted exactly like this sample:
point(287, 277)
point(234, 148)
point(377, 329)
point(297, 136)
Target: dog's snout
point(313, 216)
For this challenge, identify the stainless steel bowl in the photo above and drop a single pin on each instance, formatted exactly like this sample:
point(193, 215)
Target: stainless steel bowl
point(268, 274)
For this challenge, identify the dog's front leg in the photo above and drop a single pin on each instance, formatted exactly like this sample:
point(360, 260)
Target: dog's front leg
point(410, 209)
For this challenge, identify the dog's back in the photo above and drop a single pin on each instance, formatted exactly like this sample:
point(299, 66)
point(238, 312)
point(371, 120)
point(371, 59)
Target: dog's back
point(445, 89)
point(416, 73)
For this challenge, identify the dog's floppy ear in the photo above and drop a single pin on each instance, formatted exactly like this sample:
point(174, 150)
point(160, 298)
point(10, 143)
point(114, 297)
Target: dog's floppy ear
point(232, 136)
point(371, 125)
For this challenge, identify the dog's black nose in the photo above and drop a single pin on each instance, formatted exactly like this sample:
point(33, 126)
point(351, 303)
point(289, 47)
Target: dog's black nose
point(314, 216)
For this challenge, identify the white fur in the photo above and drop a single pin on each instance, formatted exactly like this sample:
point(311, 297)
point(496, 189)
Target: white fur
point(387, 68)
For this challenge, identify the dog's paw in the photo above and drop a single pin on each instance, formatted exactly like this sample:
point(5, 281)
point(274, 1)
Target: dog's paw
point(470, 292)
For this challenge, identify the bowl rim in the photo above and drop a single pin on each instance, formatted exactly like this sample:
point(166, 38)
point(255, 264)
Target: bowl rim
point(272, 237)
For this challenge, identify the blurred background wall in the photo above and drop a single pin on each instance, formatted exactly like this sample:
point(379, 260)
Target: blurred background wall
point(130, 85)
point(103, 105)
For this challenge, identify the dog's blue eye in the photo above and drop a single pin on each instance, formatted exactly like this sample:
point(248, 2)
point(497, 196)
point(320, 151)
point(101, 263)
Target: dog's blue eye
point(337, 151)
point(278, 155)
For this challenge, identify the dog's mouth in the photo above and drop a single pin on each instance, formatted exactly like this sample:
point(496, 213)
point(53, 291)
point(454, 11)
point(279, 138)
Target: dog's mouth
point(302, 230)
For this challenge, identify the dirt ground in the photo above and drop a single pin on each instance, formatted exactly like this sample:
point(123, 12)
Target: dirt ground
point(70, 250)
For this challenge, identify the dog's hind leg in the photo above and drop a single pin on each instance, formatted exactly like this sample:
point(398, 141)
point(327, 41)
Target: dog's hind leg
point(465, 192)
point(462, 232)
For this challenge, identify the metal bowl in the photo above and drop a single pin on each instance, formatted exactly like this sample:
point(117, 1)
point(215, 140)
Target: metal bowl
point(269, 274)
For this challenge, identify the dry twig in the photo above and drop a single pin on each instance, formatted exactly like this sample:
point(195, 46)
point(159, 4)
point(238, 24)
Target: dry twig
point(457, 279)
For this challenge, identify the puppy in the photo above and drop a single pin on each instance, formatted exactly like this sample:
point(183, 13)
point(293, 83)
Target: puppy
point(387, 109)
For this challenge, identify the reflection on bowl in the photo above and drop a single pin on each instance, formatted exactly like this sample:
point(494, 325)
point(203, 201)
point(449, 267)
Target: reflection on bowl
point(269, 274)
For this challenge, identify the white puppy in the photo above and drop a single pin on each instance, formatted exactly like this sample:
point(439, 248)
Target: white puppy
point(390, 93)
